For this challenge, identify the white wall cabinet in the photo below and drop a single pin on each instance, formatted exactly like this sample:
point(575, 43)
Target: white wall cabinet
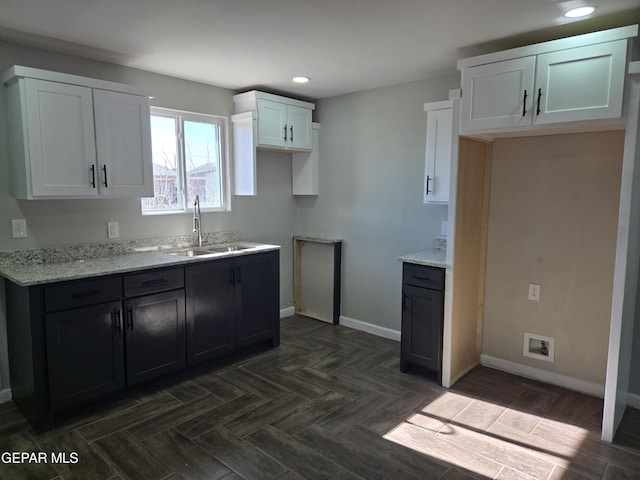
point(305, 167)
point(272, 122)
point(74, 137)
point(575, 81)
point(438, 151)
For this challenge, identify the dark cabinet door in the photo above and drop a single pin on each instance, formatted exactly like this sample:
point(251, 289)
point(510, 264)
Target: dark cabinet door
point(210, 310)
point(155, 335)
point(85, 353)
point(422, 318)
point(257, 292)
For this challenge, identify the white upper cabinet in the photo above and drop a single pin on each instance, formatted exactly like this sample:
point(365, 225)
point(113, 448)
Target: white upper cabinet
point(497, 95)
point(272, 122)
point(572, 82)
point(123, 141)
point(585, 83)
point(438, 151)
point(75, 137)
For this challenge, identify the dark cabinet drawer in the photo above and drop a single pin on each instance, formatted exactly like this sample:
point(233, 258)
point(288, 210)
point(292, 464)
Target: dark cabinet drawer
point(93, 291)
point(423, 276)
point(153, 282)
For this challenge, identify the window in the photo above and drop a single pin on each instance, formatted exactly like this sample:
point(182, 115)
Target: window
point(189, 158)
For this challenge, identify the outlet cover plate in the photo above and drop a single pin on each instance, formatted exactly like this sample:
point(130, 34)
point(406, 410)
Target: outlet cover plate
point(19, 228)
point(113, 230)
point(534, 292)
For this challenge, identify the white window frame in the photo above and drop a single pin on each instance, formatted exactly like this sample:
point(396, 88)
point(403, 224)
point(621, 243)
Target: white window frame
point(181, 116)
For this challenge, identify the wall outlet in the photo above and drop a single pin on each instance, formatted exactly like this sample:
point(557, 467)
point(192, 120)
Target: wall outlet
point(534, 292)
point(444, 227)
point(19, 228)
point(113, 230)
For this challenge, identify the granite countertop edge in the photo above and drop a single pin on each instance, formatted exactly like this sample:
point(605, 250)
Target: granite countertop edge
point(433, 257)
point(30, 274)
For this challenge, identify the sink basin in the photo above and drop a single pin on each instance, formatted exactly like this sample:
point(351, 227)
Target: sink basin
point(193, 252)
point(212, 250)
point(229, 248)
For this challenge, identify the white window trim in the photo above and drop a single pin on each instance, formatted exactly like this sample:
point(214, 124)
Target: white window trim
point(225, 164)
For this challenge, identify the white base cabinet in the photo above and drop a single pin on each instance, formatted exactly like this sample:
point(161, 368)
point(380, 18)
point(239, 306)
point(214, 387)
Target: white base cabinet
point(438, 151)
point(568, 82)
point(74, 137)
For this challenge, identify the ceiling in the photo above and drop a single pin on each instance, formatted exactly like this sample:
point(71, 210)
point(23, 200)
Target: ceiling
point(342, 45)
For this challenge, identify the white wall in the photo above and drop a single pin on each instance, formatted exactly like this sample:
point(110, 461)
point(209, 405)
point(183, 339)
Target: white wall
point(372, 147)
point(269, 217)
point(553, 220)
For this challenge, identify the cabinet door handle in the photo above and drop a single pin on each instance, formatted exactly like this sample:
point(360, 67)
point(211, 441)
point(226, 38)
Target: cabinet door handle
point(104, 169)
point(239, 279)
point(285, 133)
point(130, 318)
point(93, 176)
point(428, 180)
point(232, 276)
point(539, 96)
point(291, 129)
point(115, 317)
point(524, 104)
point(404, 302)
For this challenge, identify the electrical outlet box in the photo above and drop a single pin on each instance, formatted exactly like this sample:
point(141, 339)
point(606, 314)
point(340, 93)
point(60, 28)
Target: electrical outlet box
point(539, 347)
point(445, 227)
point(19, 228)
point(534, 292)
point(113, 230)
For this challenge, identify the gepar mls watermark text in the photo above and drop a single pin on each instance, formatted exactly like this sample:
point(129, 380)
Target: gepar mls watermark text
point(39, 457)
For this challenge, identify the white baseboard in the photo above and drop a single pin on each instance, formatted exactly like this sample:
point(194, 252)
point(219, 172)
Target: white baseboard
point(287, 312)
point(5, 395)
point(582, 386)
point(633, 400)
point(370, 328)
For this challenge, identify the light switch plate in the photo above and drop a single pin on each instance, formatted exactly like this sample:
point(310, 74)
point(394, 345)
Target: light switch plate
point(19, 228)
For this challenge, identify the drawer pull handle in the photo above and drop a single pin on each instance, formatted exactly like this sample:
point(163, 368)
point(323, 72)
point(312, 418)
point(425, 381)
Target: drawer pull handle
point(155, 281)
point(423, 278)
point(88, 293)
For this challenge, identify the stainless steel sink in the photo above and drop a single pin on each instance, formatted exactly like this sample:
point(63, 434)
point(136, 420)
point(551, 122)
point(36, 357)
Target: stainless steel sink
point(229, 248)
point(212, 250)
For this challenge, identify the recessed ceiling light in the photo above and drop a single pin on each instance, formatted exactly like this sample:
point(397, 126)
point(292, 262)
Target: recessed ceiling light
point(300, 79)
point(580, 12)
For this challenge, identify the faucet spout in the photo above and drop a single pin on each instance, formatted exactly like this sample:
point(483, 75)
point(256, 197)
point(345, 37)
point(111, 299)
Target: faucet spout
point(197, 220)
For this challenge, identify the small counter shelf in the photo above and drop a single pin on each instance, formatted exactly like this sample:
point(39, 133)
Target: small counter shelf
point(334, 275)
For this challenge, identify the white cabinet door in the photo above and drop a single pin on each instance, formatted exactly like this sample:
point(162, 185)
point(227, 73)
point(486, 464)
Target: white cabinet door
point(497, 95)
point(61, 156)
point(272, 120)
point(584, 83)
point(300, 136)
point(123, 143)
point(438, 154)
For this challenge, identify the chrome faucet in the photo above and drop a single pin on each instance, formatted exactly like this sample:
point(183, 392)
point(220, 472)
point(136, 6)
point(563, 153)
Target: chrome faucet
point(197, 221)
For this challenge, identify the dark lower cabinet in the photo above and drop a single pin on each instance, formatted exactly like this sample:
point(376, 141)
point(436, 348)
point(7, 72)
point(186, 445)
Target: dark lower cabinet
point(422, 320)
point(232, 304)
point(155, 335)
point(210, 310)
point(257, 303)
point(85, 354)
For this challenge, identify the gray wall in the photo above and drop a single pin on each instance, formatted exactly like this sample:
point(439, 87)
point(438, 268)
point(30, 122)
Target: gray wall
point(269, 217)
point(372, 147)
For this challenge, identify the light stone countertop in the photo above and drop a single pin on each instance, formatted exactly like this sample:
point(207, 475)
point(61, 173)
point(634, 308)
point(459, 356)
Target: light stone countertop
point(433, 257)
point(35, 273)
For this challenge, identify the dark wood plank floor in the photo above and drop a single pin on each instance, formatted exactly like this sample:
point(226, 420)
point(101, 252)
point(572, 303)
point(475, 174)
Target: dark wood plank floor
point(330, 403)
